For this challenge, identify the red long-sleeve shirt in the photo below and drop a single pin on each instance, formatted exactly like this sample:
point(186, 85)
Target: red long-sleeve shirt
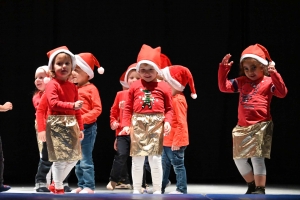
point(179, 135)
point(116, 113)
point(148, 97)
point(255, 96)
point(60, 99)
point(92, 107)
point(36, 99)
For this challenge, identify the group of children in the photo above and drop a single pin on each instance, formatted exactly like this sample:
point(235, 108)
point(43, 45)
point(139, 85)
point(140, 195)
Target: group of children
point(149, 117)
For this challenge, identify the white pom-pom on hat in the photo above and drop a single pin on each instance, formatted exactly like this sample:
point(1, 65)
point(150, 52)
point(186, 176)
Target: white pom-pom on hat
point(194, 96)
point(100, 70)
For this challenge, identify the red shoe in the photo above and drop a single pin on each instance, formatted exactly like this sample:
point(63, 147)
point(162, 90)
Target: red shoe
point(52, 187)
point(59, 191)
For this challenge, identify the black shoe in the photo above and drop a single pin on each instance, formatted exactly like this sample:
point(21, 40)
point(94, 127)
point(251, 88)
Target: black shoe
point(67, 188)
point(4, 188)
point(41, 187)
point(251, 187)
point(259, 190)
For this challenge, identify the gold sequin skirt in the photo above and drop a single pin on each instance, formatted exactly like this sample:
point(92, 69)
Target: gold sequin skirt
point(62, 135)
point(252, 141)
point(40, 143)
point(146, 134)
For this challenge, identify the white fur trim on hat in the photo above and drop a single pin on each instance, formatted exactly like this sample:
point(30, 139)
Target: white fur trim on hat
point(175, 84)
point(62, 51)
point(127, 72)
point(124, 84)
point(260, 59)
point(84, 66)
point(149, 63)
point(272, 63)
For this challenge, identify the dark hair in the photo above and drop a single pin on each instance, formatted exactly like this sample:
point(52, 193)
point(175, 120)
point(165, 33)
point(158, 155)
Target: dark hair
point(256, 63)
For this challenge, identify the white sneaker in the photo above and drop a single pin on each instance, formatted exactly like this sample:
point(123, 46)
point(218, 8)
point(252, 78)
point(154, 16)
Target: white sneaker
point(157, 192)
point(136, 192)
point(149, 190)
point(175, 192)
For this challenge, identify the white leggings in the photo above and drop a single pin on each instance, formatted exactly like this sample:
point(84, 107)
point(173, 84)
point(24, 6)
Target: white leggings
point(60, 171)
point(138, 169)
point(258, 163)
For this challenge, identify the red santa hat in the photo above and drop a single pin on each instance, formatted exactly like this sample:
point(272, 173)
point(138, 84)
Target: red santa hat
point(122, 80)
point(258, 52)
point(164, 61)
point(87, 61)
point(63, 49)
point(124, 77)
point(149, 56)
point(46, 70)
point(178, 76)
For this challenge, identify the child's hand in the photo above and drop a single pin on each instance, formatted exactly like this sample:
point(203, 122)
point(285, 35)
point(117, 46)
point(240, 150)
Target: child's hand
point(175, 148)
point(81, 135)
point(167, 128)
point(115, 145)
point(125, 131)
point(114, 125)
point(122, 104)
point(42, 136)
point(78, 105)
point(226, 60)
point(7, 106)
point(271, 68)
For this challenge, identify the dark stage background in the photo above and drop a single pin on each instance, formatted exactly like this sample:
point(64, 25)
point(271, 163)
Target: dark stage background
point(196, 34)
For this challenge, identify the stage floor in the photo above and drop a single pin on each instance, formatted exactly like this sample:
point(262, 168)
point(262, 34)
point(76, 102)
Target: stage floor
point(195, 191)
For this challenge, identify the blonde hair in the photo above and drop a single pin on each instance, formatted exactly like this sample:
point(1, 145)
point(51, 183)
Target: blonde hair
point(256, 63)
point(51, 70)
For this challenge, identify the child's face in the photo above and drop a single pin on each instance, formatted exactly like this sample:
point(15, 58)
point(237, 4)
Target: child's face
point(62, 66)
point(132, 77)
point(39, 79)
point(147, 72)
point(252, 71)
point(80, 77)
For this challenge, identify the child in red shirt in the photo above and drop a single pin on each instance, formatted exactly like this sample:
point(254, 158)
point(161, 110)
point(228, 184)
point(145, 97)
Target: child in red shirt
point(252, 136)
point(64, 124)
point(176, 142)
point(147, 116)
point(90, 111)
point(3, 108)
point(122, 142)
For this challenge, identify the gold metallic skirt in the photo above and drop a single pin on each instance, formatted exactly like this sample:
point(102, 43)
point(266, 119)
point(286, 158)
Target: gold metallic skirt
point(40, 143)
point(62, 135)
point(252, 141)
point(146, 134)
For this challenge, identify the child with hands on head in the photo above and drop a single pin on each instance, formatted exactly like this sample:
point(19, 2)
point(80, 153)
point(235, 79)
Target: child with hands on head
point(146, 117)
point(122, 141)
point(252, 136)
point(64, 124)
point(176, 142)
point(3, 108)
point(90, 111)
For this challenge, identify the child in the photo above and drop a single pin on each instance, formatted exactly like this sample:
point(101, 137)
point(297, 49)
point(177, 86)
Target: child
point(148, 113)
point(3, 108)
point(90, 111)
point(176, 143)
point(64, 124)
point(122, 142)
point(43, 176)
point(252, 136)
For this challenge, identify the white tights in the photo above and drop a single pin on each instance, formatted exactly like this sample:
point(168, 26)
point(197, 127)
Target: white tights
point(258, 163)
point(60, 171)
point(138, 169)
